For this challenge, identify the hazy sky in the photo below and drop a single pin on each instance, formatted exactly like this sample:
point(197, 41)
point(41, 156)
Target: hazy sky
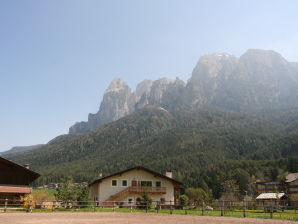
point(57, 57)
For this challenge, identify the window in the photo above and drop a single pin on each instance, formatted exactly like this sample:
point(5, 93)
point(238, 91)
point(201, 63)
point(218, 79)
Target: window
point(157, 184)
point(130, 201)
point(162, 201)
point(114, 183)
point(124, 183)
point(146, 183)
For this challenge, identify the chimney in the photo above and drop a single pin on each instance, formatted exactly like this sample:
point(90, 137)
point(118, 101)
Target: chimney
point(26, 166)
point(169, 174)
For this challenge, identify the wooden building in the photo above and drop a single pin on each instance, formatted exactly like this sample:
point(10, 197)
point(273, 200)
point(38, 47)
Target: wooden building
point(292, 187)
point(15, 179)
point(269, 187)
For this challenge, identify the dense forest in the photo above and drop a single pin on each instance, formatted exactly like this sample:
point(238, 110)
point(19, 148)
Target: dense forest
point(206, 149)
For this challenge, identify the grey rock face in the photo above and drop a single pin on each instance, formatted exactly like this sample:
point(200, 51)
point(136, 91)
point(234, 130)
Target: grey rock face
point(143, 87)
point(295, 70)
point(118, 101)
point(158, 88)
point(259, 79)
point(208, 76)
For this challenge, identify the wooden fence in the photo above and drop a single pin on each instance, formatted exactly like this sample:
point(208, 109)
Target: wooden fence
point(216, 207)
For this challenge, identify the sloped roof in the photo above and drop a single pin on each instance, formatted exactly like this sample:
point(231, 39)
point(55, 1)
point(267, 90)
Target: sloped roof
point(136, 168)
point(291, 177)
point(264, 196)
point(32, 175)
point(15, 189)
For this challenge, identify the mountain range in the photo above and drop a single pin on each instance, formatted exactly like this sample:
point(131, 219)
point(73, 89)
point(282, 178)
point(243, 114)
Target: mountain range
point(20, 149)
point(233, 113)
point(257, 80)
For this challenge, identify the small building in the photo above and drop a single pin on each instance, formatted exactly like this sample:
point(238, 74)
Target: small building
point(269, 187)
point(15, 179)
point(127, 187)
point(272, 200)
point(292, 186)
point(271, 196)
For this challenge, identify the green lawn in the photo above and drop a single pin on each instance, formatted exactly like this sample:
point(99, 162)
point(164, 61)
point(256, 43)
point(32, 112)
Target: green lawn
point(286, 214)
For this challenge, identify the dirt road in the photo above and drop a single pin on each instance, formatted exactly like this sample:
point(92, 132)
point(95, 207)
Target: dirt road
point(124, 218)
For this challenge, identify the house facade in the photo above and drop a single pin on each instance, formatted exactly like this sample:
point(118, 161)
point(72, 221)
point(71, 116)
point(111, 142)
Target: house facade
point(289, 186)
point(292, 186)
point(269, 187)
point(15, 180)
point(127, 187)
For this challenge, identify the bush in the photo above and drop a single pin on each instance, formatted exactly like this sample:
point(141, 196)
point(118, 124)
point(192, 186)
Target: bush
point(183, 200)
point(27, 201)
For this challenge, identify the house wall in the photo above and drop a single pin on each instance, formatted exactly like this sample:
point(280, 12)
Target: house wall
point(293, 190)
point(12, 198)
point(93, 190)
point(13, 174)
point(105, 188)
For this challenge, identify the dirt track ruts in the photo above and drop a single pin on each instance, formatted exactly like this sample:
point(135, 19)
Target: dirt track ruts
point(125, 218)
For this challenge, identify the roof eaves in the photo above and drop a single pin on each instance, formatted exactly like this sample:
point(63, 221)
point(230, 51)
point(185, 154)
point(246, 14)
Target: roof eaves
point(133, 168)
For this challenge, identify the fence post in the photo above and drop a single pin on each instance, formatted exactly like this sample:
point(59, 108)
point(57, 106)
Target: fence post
point(222, 208)
point(271, 209)
point(30, 206)
point(53, 204)
point(146, 206)
point(244, 208)
point(113, 206)
point(203, 207)
point(130, 208)
point(171, 208)
point(5, 206)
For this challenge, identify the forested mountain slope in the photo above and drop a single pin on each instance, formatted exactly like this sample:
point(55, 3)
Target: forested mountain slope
point(190, 143)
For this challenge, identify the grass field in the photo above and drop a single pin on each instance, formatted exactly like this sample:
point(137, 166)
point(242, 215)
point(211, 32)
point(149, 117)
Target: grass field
point(286, 215)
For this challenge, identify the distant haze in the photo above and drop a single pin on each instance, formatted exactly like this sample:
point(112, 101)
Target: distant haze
point(58, 57)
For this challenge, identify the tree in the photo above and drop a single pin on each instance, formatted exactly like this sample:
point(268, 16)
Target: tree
point(69, 192)
point(230, 190)
point(197, 194)
point(183, 200)
point(242, 179)
point(145, 201)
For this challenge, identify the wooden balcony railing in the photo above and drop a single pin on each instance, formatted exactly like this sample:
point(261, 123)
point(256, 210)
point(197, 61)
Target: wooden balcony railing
point(156, 190)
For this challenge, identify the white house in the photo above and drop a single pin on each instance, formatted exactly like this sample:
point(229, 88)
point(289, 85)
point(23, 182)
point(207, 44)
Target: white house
point(127, 186)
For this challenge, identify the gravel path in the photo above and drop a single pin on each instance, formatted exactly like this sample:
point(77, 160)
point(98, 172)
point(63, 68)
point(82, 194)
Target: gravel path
point(124, 218)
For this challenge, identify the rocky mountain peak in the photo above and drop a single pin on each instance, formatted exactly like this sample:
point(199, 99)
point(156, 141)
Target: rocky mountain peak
point(116, 85)
point(118, 101)
point(263, 58)
point(259, 79)
point(143, 87)
point(213, 65)
point(211, 71)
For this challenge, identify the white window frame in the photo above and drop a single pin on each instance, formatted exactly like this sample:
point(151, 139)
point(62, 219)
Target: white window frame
point(122, 183)
point(116, 183)
point(146, 181)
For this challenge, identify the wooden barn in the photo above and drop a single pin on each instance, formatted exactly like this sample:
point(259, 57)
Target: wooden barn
point(15, 179)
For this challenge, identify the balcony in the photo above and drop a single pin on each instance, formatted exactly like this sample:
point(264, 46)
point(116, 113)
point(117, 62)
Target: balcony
point(152, 190)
